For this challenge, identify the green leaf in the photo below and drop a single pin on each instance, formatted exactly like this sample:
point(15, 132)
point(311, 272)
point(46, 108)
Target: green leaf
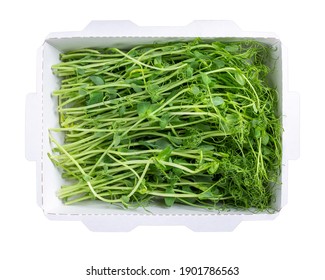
point(232, 119)
point(195, 64)
point(136, 88)
point(177, 171)
point(175, 140)
point(219, 63)
point(195, 90)
point(255, 122)
point(112, 91)
point(153, 91)
point(206, 195)
point(217, 100)
point(157, 61)
point(206, 147)
point(95, 97)
point(152, 88)
point(121, 110)
point(169, 201)
point(80, 71)
point(240, 78)
point(172, 178)
point(97, 80)
point(112, 97)
point(232, 48)
point(82, 91)
point(266, 151)
point(258, 132)
point(265, 139)
point(199, 55)
point(87, 178)
point(205, 78)
point(202, 127)
point(142, 188)
point(211, 167)
point(99, 134)
point(164, 121)
point(162, 143)
point(142, 109)
point(189, 60)
point(125, 200)
point(214, 166)
point(116, 139)
point(165, 154)
point(159, 165)
point(189, 72)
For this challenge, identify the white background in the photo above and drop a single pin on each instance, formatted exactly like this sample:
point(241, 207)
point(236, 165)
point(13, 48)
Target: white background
point(292, 246)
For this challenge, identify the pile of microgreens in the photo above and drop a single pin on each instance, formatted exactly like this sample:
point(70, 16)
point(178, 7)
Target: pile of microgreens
point(192, 123)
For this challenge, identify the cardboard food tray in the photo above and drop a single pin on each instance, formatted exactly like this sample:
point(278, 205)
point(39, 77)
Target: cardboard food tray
point(98, 216)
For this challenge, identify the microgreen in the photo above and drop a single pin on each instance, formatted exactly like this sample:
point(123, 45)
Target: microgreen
point(191, 123)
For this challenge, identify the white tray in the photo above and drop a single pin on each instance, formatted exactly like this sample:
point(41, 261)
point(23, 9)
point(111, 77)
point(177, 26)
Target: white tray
point(40, 115)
